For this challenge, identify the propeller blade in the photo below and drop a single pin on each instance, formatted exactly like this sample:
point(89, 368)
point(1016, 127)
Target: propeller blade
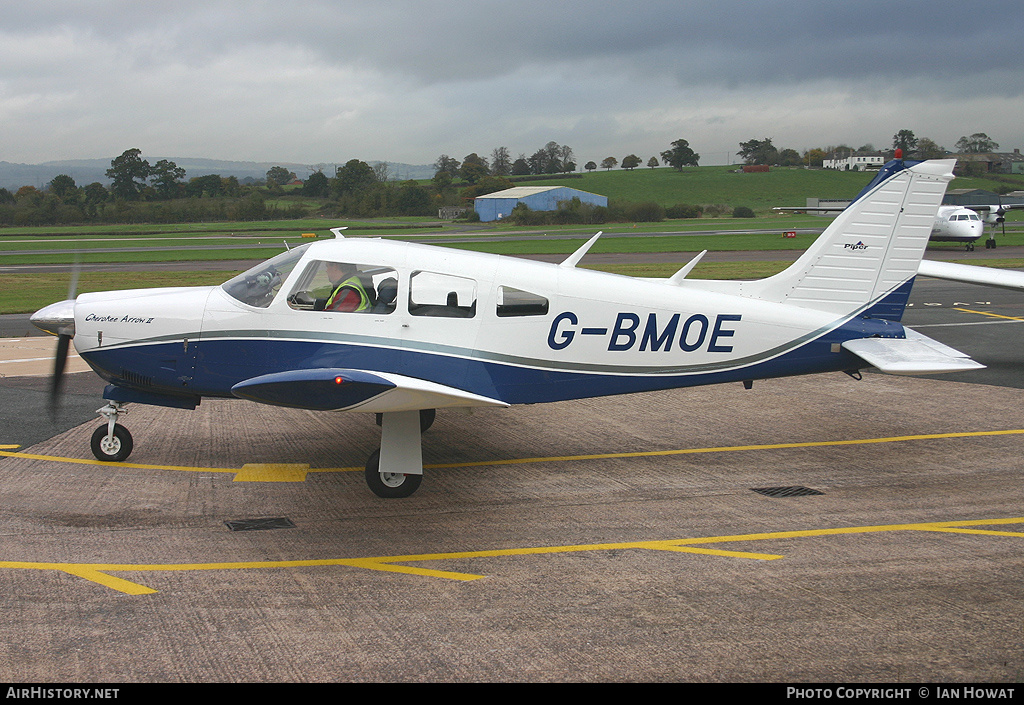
point(63, 325)
point(73, 284)
point(60, 361)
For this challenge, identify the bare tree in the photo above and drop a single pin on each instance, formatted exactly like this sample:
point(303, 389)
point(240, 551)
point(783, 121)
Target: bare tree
point(501, 162)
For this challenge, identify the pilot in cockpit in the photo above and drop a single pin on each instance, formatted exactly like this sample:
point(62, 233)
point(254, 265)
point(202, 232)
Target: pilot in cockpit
point(351, 292)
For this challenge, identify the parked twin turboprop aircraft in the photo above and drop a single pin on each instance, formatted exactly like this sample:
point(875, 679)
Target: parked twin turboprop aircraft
point(435, 327)
point(963, 224)
point(951, 223)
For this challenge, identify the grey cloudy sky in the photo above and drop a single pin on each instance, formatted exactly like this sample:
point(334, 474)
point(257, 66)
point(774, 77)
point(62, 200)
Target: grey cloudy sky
point(322, 82)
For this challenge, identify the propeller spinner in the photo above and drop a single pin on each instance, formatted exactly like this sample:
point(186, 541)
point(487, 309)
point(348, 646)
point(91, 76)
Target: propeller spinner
point(57, 319)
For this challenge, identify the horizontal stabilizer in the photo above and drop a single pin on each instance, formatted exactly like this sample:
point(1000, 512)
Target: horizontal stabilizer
point(916, 354)
point(334, 389)
point(972, 274)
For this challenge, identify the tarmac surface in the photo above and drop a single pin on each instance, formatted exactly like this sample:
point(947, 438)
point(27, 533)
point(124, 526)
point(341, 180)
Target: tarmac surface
point(615, 539)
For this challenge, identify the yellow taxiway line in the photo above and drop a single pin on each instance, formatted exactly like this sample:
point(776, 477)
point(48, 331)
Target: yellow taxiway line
point(100, 572)
point(986, 313)
point(297, 472)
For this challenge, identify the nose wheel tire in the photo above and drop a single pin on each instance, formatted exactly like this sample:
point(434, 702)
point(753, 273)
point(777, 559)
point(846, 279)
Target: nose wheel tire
point(115, 448)
point(389, 485)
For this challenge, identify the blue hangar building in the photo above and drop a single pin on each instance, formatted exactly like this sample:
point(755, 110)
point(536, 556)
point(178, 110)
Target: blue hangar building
point(497, 205)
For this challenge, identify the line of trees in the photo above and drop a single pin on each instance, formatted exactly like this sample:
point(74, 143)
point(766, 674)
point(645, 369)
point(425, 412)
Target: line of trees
point(142, 192)
point(762, 151)
point(552, 158)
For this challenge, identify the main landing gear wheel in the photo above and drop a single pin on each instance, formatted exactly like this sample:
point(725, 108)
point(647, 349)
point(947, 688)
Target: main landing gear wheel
point(115, 448)
point(389, 485)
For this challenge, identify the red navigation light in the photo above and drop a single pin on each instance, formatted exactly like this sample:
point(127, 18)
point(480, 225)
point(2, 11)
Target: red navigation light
point(339, 380)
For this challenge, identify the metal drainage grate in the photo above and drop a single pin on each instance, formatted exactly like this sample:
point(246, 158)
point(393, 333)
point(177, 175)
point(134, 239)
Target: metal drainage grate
point(260, 524)
point(794, 491)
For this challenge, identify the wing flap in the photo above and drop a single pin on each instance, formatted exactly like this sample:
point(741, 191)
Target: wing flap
point(336, 389)
point(916, 354)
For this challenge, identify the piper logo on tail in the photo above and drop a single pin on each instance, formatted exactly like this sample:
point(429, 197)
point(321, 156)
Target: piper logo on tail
point(858, 246)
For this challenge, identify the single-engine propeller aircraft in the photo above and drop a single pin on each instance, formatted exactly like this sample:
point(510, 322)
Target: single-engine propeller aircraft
point(401, 329)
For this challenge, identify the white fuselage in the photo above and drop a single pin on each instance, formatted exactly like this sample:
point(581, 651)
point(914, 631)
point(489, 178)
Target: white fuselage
point(957, 224)
point(581, 333)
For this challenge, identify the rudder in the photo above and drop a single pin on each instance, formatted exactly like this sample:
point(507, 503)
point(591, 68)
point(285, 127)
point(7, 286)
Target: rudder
point(871, 250)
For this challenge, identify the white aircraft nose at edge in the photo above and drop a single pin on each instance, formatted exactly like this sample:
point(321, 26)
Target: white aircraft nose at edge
point(428, 327)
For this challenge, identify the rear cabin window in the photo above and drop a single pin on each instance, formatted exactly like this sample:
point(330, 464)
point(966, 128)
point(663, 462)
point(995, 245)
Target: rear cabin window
point(441, 295)
point(345, 287)
point(516, 302)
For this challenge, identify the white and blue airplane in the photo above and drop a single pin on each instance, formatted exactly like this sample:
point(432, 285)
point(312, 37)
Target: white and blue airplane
point(441, 328)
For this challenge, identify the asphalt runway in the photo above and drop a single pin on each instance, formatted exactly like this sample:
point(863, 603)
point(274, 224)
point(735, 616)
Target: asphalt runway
point(616, 539)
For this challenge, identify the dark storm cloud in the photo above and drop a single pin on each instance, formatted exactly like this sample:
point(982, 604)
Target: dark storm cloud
point(425, 77)
point(730, 40)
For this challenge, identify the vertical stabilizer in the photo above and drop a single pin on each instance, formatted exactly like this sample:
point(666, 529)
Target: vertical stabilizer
point(871, 249)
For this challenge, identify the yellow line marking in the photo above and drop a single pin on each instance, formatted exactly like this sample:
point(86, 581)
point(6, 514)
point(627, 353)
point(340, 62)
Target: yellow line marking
point(986, 313)
point(180, 468)
point(98, 572)
point(272, 472)
point(729, 449)
point(982, 532)
point(119, 584)
point(296, 472)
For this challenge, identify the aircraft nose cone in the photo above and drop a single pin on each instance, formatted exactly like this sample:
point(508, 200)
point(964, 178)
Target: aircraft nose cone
point(56, 319)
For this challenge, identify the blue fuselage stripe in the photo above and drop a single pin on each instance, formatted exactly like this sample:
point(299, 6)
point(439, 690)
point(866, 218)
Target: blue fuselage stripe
point(214, 366)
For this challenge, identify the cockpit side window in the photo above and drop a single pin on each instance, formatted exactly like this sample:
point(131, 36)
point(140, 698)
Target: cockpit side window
point(345, 287)
point(258, 286)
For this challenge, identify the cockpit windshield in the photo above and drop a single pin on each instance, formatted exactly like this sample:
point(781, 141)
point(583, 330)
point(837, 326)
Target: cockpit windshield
point(258, 286)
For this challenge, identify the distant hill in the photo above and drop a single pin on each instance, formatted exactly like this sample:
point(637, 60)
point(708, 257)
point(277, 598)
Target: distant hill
point(86, 171)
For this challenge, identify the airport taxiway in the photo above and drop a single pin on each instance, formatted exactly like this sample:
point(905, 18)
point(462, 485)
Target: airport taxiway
point(614, 539)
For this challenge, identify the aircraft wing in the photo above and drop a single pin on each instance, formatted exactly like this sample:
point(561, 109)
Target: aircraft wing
point(972, 274)
point(335, 389)
point(811, 209)
point(1000, 207)
point(917, 354)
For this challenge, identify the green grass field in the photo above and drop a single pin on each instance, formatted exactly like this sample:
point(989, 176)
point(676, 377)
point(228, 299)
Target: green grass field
point(782, 186)
point(255, 241)
point(23, 293)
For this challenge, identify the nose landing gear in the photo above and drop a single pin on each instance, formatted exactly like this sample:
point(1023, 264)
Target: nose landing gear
point(112, 441)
